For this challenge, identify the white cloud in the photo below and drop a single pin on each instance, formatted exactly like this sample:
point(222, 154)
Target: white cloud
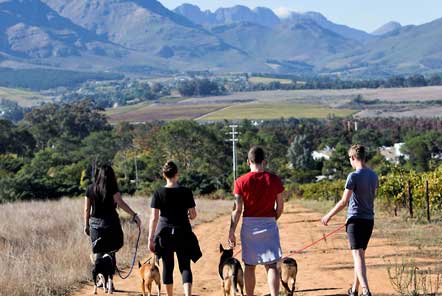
point(283, 12)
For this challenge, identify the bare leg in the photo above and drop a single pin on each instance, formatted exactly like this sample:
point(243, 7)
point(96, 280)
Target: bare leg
point(187, 289)
point(355, 286)
point(361, 268)
point(169, 290)
point(273, 279)
point(249, 278)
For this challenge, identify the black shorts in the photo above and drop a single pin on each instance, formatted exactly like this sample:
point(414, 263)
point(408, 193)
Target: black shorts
point(359, 232)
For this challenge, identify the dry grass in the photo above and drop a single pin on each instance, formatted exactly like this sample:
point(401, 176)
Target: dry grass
point(22, 97)
point(257, 79)
point(275, 111)
point(144, 112)
point(43, 250)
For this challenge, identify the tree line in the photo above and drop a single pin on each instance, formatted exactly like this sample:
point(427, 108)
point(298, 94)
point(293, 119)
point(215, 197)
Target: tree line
point(53, 151)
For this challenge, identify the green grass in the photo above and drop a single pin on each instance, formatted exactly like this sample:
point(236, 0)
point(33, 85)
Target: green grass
point(22, 97)
point(255, 79)
point(275, 111)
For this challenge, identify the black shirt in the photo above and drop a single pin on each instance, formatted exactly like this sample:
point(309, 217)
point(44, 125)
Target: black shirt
point(174, 204)
point(103, 209)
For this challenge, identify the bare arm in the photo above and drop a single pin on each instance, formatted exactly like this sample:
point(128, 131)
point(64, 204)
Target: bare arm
point(192, 213)
point(87, 214)
point(342, 204)
point(153, 222)
point(236, 215)
point(123, 205)
point(279, 205)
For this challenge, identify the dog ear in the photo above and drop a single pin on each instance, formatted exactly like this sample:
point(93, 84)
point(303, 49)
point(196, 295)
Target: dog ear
point(221, 249)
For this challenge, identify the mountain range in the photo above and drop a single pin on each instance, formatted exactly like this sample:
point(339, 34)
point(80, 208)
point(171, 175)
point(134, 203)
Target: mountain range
point(141, 35)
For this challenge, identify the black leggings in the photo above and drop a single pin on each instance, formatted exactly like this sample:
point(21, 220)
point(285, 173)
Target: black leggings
point(168, 265)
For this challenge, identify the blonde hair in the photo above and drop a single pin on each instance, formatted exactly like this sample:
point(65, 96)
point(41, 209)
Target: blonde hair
point(358, 151)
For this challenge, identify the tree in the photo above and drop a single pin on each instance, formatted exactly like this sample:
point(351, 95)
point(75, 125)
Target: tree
point(300, 153)
point(338, 164)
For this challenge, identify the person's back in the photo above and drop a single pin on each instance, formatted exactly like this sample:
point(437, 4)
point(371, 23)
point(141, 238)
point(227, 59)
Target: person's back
point(259, 191)
point(363, 182)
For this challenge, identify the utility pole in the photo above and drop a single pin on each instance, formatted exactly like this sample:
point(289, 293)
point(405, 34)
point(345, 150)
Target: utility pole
point(234, 140)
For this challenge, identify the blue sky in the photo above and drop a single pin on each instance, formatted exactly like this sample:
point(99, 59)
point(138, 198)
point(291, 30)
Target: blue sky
point(367, 15)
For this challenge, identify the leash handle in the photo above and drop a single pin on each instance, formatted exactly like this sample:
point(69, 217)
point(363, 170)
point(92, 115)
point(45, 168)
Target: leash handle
point(134, 258)
point(317, 241)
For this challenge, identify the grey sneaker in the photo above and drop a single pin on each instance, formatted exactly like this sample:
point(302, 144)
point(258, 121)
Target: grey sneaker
point(352, 293)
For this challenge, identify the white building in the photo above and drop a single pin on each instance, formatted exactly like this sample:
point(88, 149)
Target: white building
point(393, 154)
point(325, 153)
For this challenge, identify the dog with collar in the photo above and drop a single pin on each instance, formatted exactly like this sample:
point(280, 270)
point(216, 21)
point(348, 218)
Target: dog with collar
point(288, 272)
point(231, 272)
point(103, 269)
point(149, 273)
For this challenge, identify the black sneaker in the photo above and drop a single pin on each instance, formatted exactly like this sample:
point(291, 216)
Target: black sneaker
point(367, 294)
point(352, 293)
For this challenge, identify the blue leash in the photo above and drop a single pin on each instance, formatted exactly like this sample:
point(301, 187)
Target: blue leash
point(133, 260)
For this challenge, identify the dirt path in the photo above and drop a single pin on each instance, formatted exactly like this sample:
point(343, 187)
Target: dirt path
point(324, 269)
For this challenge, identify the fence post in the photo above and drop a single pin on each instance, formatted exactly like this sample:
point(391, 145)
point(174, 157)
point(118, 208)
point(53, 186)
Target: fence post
point(427, 197)
point(410, 200)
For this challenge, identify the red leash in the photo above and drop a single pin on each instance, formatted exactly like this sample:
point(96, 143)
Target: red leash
point(317, 241)
point(324, 237)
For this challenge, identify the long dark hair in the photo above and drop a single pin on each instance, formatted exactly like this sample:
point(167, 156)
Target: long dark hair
point(105, 182)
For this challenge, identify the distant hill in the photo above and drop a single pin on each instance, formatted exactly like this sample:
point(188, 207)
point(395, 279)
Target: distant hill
point(226, 16)
point(321, 20)
point(29, 29)
point(387, 28)
point(143, 37)
point(410, 49)
point(302, 41)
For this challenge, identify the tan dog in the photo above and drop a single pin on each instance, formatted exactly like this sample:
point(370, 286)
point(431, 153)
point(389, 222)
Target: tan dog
point(231, 273)
point(288, 271)
point(149, 273)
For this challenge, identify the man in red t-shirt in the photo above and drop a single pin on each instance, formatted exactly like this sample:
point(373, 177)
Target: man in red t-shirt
point(259, 194)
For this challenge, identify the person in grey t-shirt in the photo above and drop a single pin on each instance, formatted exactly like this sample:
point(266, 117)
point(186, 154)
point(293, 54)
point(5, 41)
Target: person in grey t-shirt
point(359, 194)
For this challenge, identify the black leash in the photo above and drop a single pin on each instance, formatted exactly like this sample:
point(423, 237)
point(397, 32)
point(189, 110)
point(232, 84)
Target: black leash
point(135, 257)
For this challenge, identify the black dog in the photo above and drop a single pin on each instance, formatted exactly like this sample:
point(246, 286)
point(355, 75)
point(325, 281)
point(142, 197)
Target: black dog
point(104, 268)
point(231, 272)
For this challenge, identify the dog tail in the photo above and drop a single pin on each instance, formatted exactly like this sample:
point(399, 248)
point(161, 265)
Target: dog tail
point(235, 277)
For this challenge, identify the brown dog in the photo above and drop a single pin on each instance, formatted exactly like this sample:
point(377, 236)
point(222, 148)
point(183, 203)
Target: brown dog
point(288, 271)
point(231, 273)
point(149, 273)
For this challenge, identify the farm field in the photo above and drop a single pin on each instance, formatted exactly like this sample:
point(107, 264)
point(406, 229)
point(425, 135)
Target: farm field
point(151, 112)
point(272, 111)
point(395, 102)
point(22, 97)
point(256, 79)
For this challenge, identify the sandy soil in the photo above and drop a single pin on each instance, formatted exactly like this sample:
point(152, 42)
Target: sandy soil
point(324, 269)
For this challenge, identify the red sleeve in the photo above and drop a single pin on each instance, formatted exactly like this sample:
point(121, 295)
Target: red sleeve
point(278, 185)
point(237, 188)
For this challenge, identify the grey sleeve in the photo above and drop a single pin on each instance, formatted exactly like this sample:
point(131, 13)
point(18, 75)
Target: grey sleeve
point(350, 183)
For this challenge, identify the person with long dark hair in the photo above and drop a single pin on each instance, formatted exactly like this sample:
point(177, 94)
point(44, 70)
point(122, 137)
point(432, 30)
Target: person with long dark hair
point(101, 220)
point(170, 231)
